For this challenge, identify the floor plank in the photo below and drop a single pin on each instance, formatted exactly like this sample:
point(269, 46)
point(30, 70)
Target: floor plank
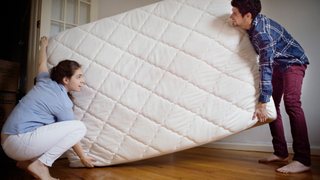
point(193, 164)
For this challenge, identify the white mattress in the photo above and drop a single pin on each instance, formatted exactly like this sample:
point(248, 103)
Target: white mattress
point(160, 79)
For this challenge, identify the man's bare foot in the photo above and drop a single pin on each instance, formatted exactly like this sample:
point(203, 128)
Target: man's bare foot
point(273, 158)
point(294, 167)
point(24, 165)
point(40, 170)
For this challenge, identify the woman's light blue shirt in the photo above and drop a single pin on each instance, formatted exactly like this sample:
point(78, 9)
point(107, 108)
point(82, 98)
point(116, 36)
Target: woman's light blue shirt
point(46, 103)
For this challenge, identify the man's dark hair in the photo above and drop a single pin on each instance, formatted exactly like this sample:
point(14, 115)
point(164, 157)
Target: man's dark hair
point(247, 6)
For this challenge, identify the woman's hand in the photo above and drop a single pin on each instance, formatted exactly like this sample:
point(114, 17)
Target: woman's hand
point(44, 42)
point(42, 58)
point(87, 161)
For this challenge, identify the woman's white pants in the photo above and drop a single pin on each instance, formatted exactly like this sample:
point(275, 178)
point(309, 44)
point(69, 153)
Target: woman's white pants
point(46, 143)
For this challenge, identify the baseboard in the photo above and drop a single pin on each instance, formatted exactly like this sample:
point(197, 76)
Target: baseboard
point(315, 150)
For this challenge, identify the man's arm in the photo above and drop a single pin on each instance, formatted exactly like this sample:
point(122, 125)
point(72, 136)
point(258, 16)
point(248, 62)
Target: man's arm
point(266, 55)
point(42, 58)
point(265, 45)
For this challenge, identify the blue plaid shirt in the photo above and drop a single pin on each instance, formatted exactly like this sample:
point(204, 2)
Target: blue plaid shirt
point(275, 47)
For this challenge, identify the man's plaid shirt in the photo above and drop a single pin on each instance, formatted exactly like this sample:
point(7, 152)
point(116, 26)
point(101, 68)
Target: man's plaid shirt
point(275, 47)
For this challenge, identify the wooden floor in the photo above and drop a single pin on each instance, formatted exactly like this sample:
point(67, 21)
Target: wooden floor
point(194, 164)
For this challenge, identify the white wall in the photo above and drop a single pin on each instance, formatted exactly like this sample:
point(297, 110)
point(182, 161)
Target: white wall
point(109, 8)
point(302, 21)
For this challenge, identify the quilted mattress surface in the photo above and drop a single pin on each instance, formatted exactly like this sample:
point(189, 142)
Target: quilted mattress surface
point(160, 79)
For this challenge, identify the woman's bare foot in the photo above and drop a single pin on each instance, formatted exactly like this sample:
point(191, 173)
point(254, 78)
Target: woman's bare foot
point(24, 165)
point(40, 170)
point(273, 158)
point(294, 167)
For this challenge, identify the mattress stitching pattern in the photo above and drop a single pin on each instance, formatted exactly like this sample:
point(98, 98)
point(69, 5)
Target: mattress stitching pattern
point(160, 78)
point(150, 91)
point(221, 72)
point(75, 51)
point(141, 113)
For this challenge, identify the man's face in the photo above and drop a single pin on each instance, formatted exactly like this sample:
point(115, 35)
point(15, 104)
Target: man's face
point(237, 19)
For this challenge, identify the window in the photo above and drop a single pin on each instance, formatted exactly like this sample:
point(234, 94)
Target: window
point(66, 14)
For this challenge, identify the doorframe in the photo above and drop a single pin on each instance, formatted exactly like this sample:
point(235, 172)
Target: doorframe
point(34, 35)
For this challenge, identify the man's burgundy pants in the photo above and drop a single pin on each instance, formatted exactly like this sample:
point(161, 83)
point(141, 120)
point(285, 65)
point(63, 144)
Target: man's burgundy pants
point(289, 85)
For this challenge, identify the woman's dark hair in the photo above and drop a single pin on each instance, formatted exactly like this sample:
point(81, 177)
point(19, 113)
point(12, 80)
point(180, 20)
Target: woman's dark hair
point(65, 68)
point(247, 6)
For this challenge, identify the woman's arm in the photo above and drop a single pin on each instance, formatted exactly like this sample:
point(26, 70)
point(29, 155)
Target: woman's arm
point(86, 160)
point(42, 59)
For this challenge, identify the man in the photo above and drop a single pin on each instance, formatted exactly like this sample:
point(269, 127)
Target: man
point(282, 65)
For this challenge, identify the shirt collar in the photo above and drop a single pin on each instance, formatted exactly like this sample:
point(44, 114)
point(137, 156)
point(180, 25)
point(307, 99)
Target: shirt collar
point(63, 89)
point(254, 24)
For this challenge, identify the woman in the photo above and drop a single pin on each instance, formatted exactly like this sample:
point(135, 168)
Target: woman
point(41, 127)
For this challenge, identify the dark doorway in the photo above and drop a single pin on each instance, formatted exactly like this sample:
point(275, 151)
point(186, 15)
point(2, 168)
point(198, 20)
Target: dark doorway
point(14, 35)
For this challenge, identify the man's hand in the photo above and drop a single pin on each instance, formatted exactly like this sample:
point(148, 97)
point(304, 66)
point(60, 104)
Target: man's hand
point(87, 161)
point(261, 112)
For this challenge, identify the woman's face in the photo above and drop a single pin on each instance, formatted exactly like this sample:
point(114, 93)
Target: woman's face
point(75, 82)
